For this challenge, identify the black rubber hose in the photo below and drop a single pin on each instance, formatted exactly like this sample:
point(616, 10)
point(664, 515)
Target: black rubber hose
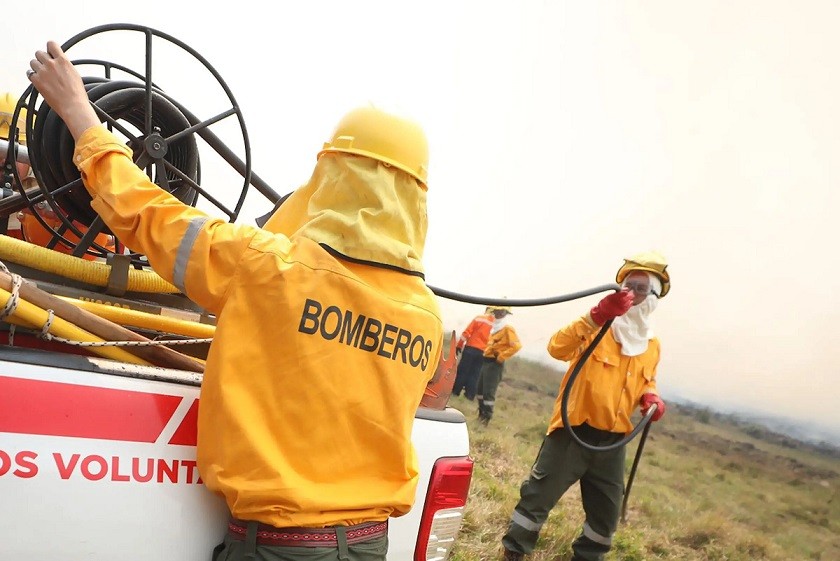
point(523, 302)
point(564, 403)
point(122, 100)
point(584, 357)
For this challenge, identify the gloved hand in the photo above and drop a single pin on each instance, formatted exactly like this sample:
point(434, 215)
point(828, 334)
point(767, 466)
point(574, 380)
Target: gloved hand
point(649, 399)
point(458, 352)
point(612, 306)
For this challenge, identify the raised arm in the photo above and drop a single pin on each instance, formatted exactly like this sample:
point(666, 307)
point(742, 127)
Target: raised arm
point(61, 86)
point(194, 251)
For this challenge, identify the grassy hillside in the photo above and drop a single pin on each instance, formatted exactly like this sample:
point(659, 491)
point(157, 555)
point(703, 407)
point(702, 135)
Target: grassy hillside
point(707, 488)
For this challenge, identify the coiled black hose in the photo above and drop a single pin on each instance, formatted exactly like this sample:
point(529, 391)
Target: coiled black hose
point(122, 100)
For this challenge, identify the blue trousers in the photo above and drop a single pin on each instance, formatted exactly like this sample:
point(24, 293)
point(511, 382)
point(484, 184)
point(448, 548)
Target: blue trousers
point(469, 368)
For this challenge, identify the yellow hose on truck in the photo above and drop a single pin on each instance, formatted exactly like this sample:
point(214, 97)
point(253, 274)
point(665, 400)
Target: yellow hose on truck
point(136, 318)
point(159, 355)
point(30, 315)
point(68, 266)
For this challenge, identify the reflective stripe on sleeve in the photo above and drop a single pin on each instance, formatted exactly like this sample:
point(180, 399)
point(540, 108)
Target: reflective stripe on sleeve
point(184, 250)
point(521, 520)
point(595, 536)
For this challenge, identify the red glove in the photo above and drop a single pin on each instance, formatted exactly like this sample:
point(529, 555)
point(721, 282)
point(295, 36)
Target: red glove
point(612, 306)
point(649, 399)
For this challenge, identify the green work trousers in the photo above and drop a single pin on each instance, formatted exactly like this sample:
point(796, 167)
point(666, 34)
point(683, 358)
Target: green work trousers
point(248, 550)
point(560, 463)
point(488, 382)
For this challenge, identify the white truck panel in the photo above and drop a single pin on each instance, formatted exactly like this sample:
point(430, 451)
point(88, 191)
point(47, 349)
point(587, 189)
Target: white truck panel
point(118, 493)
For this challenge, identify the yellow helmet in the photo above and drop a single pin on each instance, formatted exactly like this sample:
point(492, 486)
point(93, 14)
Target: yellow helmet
point(649, 261)
point(7, 109)
point(391, 139)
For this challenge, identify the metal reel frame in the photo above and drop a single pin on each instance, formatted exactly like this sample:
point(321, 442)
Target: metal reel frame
point(150, 148)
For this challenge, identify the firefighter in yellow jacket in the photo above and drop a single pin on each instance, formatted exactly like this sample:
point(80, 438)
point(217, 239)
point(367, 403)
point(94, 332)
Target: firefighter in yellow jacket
point(326, 333)
point(619, 376)
point(502, 344)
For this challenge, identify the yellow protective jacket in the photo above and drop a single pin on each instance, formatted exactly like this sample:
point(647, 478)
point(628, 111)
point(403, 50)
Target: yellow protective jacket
point(476, 333)
point(318, 363)
point(609, 386)
point(503, 344)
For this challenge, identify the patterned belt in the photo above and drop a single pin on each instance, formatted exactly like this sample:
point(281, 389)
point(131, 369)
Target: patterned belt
point(307, 537)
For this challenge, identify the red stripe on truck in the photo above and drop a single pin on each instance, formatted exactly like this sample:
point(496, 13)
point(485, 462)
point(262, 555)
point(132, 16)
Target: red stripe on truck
point(187, 433)
point(59, 409)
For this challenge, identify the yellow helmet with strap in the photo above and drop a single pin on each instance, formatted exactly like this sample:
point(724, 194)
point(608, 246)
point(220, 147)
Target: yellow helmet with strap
point(389, 138)
point(650, 261)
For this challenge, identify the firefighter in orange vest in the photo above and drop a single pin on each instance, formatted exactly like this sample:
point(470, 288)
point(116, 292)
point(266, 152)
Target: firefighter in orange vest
point(619, 376)
point(502, 344)
point(470, 349)
point(326, 337)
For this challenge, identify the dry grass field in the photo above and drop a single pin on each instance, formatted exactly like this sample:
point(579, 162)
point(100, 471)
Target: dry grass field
point(705, 489)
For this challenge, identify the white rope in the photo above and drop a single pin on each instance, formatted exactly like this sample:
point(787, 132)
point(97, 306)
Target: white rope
point(129, 343)
point(12, 302)
point(45, 329)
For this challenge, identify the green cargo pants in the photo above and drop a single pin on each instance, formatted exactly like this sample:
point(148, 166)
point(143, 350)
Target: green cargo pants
point(248, 550)
point(561, 462)
point(488, 382)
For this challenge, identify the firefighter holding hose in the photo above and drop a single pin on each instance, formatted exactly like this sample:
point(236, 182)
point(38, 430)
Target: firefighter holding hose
point(619, 376)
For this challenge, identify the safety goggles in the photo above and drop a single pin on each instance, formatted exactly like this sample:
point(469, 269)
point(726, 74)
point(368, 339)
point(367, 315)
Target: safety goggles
point(641, 288)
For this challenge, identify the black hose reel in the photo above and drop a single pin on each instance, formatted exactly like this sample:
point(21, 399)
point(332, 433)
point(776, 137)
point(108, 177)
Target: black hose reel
point(161, 132)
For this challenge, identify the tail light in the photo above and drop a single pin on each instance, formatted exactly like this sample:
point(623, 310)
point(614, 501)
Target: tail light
point(443, 511)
